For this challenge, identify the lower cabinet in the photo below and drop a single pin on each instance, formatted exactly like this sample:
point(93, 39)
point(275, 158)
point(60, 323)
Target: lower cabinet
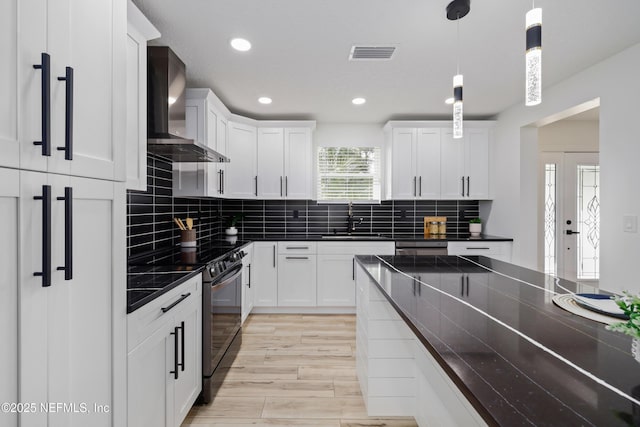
point(336, 269)
point(265, 274)
point(297, 280)
point(247, 289)
point(165, 357)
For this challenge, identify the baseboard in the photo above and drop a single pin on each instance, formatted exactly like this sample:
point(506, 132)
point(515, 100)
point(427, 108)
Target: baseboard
point(303, 310)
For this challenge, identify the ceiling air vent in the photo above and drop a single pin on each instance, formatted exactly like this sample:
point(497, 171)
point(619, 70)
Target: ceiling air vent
point(359, 53)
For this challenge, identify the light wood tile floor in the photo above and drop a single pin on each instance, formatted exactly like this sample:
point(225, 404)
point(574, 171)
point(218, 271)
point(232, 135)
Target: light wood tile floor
point(291, 370)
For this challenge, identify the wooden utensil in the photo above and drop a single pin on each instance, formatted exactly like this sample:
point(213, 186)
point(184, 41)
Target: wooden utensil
point(182, 224)
point(189, 223)
point(179, 223)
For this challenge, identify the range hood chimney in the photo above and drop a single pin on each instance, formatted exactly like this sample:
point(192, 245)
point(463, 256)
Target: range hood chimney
point(166, 123)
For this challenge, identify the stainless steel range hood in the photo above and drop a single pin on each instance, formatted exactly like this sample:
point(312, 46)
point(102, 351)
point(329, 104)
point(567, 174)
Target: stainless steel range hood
point(166, 82)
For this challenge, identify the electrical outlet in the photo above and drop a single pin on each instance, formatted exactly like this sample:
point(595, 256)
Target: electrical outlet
point(630, 223)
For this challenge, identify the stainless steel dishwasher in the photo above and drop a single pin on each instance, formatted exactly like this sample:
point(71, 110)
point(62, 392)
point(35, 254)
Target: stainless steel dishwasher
point(421, 247)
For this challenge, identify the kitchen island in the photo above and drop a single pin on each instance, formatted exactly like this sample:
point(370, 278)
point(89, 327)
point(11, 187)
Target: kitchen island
point(473, 340)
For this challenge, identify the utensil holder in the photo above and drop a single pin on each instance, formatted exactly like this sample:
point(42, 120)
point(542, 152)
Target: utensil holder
point(188, 239)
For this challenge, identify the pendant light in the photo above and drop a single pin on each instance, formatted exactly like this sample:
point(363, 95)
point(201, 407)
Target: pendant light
point(533, 83)
point(458, 9)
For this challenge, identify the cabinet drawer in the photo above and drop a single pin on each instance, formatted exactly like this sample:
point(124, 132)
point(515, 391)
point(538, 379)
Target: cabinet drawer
point(479, 248)
point(288, 248)
point(146, 320)
point(357, 248)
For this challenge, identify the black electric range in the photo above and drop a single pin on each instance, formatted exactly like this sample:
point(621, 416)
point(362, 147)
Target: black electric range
point(152, 274)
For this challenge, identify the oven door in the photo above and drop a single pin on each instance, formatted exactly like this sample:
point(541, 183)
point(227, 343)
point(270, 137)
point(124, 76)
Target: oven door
point(221, 317)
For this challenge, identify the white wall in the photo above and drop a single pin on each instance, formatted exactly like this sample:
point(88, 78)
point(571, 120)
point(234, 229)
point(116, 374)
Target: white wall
point(570, 135)
point(514, 210)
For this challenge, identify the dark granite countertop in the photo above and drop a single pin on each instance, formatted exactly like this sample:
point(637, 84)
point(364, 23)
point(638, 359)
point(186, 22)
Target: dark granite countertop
point(518, 358)
point(451, 237)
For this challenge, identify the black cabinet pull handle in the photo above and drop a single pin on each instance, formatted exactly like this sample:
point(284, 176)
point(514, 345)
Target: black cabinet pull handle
point(175, 353)
point(256, 178)
point(249, 271)
point(176, 302)
point(45, 66)
point(420, 182)
point(181, 364)
point(415, 187)
point(478, 247)
point(280, 186)
point(468, 186)
point(353, 269)
point(220, 181)
point(68, 122)
point(286, 186)
point(297, 257)
point(274, 256)
point(462, 186)
point(68, 233)
point(46, 236)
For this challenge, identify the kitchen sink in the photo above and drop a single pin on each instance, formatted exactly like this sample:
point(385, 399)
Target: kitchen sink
point(354, 236)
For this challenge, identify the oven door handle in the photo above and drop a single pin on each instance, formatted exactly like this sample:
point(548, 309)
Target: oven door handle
point(228, 278)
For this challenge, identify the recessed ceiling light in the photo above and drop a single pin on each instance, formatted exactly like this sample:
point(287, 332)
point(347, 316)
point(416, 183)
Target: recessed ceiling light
point(358, 101)
point(265, 100)
point(241, 45)
point(448, 101)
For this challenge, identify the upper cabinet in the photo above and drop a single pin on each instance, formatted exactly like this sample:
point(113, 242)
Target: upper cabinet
point(427, 163)
point(465, 165)
point(64, 72)
point(415, 168)
point(139, 31)
point(284, 163)
point(206, 122)
point(240, 177)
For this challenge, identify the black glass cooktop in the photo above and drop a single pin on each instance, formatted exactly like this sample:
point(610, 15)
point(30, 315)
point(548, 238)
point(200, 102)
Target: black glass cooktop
point(179, 256)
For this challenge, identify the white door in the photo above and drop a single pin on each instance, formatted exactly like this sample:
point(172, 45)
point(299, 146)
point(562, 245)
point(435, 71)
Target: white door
point(9, 191)
point(427, 158)
point(10, 83)
point(240, 173)
point(336, 280)
point(580, 218)
point(264, 274)
point(451, 166)
point(270, 163)
point(296, 280)
point(476, 161)
point(297, 163)
point(403, 170)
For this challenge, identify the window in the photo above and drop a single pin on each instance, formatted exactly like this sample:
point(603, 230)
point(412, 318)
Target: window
point(348, 173)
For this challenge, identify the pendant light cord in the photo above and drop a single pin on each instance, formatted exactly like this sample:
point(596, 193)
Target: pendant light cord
point(458, 41)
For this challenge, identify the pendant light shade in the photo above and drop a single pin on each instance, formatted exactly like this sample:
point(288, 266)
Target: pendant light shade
point(533, 94)
point(457, 106)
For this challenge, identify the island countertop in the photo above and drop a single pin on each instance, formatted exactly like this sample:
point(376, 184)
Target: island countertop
point(518, 358)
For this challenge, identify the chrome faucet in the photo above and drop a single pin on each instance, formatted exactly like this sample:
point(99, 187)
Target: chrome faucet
point(351, 221)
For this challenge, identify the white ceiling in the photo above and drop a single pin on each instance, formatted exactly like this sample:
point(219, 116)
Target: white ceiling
point(301, 47)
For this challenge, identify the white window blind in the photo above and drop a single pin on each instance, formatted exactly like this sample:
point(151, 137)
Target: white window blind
point(348, 173)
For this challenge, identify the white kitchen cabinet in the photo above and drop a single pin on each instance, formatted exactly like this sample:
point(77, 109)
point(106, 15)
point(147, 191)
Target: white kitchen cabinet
point(284, 163)
point(88, 37)
point(265, 274)
point(241, 172)
point(139, 32)
point(248, 288)
point(206, 123)
point(9, 193)
point(72, 333)
point(498, 250)
point(270, 177)
point(296, 280)
point(465, 164)
point(165, 357)
point(415, 169)
point(336, 269)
